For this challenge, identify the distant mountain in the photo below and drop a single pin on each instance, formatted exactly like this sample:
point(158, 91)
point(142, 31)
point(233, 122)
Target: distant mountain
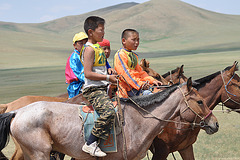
point(167, 27)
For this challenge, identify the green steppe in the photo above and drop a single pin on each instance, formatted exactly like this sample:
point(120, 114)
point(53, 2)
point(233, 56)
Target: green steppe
point(172, 33)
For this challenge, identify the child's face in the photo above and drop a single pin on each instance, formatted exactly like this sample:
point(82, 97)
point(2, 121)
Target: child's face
point(132, 42)
point(98, 33)
point(107, 50)
point(79, 44)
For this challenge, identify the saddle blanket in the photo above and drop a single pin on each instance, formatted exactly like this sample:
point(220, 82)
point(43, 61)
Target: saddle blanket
point(88, 116)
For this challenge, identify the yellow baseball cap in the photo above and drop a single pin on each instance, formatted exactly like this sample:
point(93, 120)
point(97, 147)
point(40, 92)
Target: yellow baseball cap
point(79, 36)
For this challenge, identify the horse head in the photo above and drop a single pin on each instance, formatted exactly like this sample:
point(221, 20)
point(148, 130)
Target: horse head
point(230, 96)
point(197, 111)
point(176, 75)
point(145, 66)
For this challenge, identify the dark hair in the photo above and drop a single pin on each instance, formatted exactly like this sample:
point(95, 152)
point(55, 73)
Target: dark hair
point(92, 22)
point(125, 33)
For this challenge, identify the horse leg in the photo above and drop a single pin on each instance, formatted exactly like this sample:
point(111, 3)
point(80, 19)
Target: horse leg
point(35, 144)
point(187, 153)
point(18, 154)
point(159, 149)
point(37, 153)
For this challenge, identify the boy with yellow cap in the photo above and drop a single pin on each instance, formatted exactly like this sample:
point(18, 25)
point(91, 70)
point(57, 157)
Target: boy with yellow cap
point(74, 68)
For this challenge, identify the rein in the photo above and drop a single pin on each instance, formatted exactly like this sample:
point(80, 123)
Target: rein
point(228, 110)
point(225, 86)
point(201, 124)
point(121, 122)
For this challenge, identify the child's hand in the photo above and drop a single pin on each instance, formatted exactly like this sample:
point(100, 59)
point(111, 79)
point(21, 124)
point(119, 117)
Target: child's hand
point(157, 83)
point(145, 86)
point(111, 71)
point(113, 78)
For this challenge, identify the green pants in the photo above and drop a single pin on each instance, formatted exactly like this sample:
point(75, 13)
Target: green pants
point(103, 105)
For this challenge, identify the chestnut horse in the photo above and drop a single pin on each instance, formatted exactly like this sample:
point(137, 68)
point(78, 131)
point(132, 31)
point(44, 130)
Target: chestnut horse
point(145, 66)
point(175, 76)
point(219, 87)
point(171, 77)
point(25, 100)
point(44, 126)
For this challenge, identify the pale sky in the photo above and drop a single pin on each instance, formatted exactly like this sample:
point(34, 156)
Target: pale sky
point(36, 11)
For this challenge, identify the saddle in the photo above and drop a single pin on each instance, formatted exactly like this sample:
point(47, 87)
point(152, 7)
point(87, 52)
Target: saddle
point(88, 116)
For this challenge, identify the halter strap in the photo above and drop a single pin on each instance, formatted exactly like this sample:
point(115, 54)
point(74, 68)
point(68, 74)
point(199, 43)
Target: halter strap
point(225, 86)
point(185, 100)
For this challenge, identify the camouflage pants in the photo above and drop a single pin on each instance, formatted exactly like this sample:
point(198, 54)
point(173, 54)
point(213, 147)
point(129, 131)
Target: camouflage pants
point(103, 105)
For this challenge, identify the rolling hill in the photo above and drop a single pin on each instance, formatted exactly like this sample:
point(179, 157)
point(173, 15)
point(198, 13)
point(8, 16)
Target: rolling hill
point(167, 27)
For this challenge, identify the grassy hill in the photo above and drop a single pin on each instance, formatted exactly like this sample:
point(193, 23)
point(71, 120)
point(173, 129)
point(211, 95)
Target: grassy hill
point(33, 56)
point(167, 27)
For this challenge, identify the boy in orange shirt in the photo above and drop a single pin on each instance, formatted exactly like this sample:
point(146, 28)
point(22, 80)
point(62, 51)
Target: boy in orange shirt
point(135, 80)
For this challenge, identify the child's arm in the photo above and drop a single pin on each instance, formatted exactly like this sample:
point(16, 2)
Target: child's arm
point(110, 70)
point(88, 65)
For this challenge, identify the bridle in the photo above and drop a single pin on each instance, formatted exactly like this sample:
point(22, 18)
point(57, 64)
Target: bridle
point(227, 92)
point(202, 123)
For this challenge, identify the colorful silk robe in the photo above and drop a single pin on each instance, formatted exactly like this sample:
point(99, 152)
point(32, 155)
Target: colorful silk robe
point(126, 65)
point(74, 74)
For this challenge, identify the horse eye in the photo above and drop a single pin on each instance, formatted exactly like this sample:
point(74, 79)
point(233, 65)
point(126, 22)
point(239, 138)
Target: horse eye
point(200, 102)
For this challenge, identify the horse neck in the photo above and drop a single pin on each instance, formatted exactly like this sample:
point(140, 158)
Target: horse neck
point(211, 92)
point(143, 127)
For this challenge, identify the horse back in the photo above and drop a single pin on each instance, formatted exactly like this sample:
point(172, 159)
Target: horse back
point(26, 100)
point(47, 119)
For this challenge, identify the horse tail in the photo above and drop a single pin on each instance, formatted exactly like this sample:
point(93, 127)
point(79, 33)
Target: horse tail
point(5, 122)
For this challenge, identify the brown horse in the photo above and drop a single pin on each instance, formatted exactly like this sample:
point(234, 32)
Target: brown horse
point(25, 100)
point(171, 77)
point(145, 66)
point(44, 126)
point(175, 76)
point(219, 87)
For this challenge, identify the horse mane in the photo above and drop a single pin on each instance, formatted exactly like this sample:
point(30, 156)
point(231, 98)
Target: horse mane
point(168, 73)
point(199, 83)
point(147, 100)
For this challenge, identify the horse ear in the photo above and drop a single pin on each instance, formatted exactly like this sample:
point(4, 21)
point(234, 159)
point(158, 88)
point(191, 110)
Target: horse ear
point(189, 83)
point(236, 65)
point(181, 68)
point(234, 68)
point(147, 64)
point(158, 77)
point(142, 63)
